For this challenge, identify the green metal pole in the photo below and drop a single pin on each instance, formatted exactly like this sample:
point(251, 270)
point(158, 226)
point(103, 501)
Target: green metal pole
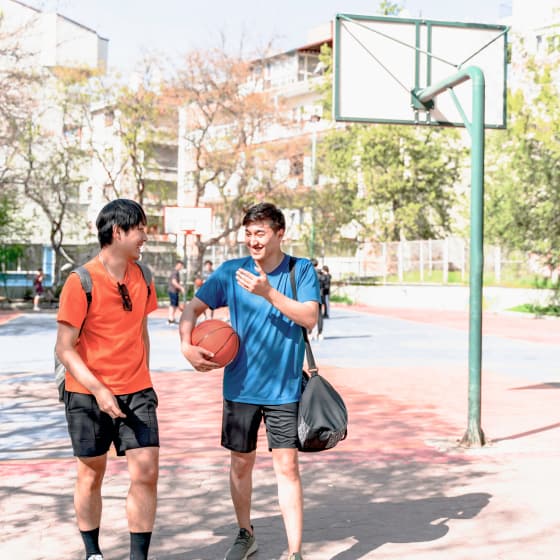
point(474, 436)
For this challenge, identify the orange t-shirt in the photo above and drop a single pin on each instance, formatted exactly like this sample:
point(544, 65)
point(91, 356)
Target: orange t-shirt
point(111, 343)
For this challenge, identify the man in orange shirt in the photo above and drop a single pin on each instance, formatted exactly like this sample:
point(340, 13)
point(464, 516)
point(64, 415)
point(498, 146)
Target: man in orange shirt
point(109, 396)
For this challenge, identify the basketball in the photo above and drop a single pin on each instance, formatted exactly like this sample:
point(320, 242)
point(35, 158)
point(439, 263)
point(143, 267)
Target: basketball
point(218, 337)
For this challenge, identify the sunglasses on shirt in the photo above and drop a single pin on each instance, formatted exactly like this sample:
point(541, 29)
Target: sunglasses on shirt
point(125, 297)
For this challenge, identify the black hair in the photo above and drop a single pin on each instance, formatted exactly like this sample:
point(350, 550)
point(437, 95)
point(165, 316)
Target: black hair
point(121, 212)
point(265, 212)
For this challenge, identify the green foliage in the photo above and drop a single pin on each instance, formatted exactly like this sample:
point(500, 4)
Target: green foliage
point(397, 182)
point(341, 299)
point(11, 228)
point(409, 175)
point(551, 310)
point(523, 186)
point(387, 8)
point(324, 88)
point(333, 202)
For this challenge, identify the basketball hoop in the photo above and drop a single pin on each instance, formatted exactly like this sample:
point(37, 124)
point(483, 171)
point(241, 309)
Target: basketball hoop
point(187, 220)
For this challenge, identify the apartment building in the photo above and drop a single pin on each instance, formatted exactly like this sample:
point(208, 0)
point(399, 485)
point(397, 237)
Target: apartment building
point(535, 31)
point(48, 44)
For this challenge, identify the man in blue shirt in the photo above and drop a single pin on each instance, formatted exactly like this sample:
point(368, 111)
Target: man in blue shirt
point(264, 380)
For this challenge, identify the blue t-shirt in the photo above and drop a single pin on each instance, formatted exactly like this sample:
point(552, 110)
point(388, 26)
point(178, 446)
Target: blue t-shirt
point(267, 369)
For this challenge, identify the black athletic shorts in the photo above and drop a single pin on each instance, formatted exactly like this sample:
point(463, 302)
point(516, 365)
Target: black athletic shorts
point(241, 422)
point(93, 431)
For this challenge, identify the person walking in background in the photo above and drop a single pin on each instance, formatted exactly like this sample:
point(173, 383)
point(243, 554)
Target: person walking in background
point(264, 381)
point(174, 288)
point(109, 398)
point(326, 291)
point(206, 271)
point(38, 289)
point(317, 332)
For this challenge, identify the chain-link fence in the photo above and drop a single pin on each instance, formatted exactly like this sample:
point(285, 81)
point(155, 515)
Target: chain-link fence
point(440, 261)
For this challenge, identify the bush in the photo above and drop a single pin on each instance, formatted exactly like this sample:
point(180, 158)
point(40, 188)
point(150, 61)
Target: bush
point(551, 310)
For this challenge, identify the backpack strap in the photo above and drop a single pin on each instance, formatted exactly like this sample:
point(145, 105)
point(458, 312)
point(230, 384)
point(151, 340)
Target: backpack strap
point(313, 369)
point(85, 280)
point(147, 275)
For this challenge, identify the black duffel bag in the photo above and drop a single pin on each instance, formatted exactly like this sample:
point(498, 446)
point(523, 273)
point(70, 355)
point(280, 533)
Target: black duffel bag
point(322, 416)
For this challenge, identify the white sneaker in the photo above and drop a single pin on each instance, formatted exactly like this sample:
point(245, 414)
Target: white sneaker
point(95, 557)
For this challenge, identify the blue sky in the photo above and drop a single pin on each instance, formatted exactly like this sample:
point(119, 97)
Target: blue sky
point(176, 26)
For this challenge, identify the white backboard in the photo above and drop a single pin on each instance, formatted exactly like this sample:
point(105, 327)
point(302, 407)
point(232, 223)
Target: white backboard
point(379, 61)
point(183, 219)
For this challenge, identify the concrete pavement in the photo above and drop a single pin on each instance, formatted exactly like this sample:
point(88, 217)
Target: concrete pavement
point(398, 487)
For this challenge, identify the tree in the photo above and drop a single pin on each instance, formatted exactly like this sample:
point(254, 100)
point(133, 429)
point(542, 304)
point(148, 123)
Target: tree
point(387, 8)
point(402, 178)
point(140, 116)
point(52, 160)
point(523, 187)
point(12, 235)
point(409, 178)
point(17, 96)
point(333, 201)
point(16, 81)
point(232, 139)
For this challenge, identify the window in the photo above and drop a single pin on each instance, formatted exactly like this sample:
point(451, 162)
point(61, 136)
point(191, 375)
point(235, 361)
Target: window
point(553, 43)
point(296, 165)
point(308, 65)
point(109, 118)
point(72, 133)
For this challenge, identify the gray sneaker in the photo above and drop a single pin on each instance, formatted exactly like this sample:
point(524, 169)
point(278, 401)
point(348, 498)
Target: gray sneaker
point(295, 556)
point(244, 545)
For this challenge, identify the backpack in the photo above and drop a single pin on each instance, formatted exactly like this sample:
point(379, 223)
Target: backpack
point(85, 280)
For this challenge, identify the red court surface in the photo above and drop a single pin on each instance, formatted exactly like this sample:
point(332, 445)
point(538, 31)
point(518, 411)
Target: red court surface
point(399, 487)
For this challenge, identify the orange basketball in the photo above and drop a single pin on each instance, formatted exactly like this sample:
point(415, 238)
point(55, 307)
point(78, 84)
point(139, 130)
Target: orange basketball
point(218, 337)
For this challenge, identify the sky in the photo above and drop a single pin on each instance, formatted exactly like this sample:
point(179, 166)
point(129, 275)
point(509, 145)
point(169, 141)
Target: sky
point(172, 27)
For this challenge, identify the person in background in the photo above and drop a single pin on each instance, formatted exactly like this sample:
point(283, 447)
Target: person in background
point(317, 332)
point(206, 271)
point(38, 289)
point(174, 288)
point(109, 398)
point(263, 383)
point(326, 291)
